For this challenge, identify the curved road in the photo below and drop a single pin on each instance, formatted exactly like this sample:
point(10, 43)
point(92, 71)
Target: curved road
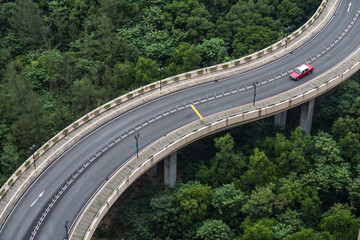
point(23, 219)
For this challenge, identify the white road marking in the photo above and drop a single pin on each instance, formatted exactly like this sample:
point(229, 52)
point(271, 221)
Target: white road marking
point(349, 7)
point(40, 195)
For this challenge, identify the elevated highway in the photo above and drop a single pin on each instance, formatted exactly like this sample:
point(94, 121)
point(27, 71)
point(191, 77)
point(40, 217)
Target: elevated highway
point(86, 167)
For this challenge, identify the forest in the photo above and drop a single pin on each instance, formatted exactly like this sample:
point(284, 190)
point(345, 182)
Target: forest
point(61, 59)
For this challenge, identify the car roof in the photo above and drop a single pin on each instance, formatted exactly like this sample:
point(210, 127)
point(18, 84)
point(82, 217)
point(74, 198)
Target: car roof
point(303, 67)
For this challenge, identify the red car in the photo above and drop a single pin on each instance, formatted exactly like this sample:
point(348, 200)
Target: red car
point(301, 71)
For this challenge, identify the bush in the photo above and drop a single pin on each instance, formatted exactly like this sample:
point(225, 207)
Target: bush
point(86, 118)
point(163, 82)
point(188, 75)
point(75, 125)
point(18, 172)
point(259, 54)
point(213, 69)
point(237, 63)
point(141, 90)
point(96, 112)
point(65, 131)
point(107, 106)
point(46, 147)
point(200, 71)
point(248, 58)
point(225, 66)
point(130, 95)
point(152, 86)
point(27, 163)
point(2, 192)
point(270, 49)
point(176, 78)
point(10, 182)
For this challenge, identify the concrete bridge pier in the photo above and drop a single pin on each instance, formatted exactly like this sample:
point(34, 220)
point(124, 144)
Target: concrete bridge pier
point(306, 115)
point(280, 120)
point(170, 164)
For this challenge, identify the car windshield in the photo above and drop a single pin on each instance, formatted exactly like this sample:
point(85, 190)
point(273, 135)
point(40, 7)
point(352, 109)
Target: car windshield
point(297, 71)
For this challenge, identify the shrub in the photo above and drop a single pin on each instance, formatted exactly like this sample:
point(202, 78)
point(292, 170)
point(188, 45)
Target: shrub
point(18, 172)
point(152, 86)
point(259, 54)
point(27, 163)
point(86, 118)
point(296, 33)
point(315, 16)
point(55, 139)
point(2, 192)
point(107, 106)
point(46, 146)
point(97, 112)
point(310, 22)
point(303, 28)
point(176, 78)
point(129, 95)
point(225, 66)
point(10, 182)
point(213, 69)
point(75, 125)
point(270, 49)
point(200, 71)
point(141, 90)
point(188, 75)
point(163, 82)
point(36, 155)
point(248, 58)
point(65, 131)
point(237, 63)
point(279, 44)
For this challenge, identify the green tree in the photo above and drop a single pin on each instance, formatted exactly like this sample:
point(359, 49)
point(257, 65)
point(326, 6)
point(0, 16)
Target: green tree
point(213, 51)
point(146, 72)
point(261, 230)
point(261, 170)
point(341, 224)
point(194, 203)
point(84, 96)
point(225, 166)
point(262, 202)
point(309, 234)
point(185, 58)
point(213, 229)
point(227, 203)
point(28, 26)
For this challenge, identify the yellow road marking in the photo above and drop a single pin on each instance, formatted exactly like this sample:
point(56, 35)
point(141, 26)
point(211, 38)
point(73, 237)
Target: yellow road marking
point(195, 110)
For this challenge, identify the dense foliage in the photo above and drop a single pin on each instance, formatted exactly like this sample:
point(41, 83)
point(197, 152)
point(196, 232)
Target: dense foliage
point(282, 186)
point(61, 59)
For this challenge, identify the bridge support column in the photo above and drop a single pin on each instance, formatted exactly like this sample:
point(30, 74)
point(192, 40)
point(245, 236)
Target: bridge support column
point(280, 120)
point(152, 171)
point(306, 115)
point(170, 164)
